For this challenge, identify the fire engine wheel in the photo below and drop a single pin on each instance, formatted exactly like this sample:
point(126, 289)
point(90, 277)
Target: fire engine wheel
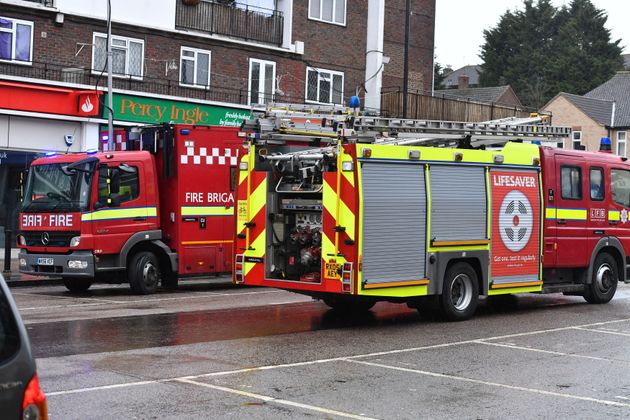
point(76, 285)
point(144, 273)
point(460, 292)
point(350, 305)
point(604, 281)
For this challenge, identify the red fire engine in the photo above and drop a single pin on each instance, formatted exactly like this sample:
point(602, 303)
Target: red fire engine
point(147, 215)
point(355, 209)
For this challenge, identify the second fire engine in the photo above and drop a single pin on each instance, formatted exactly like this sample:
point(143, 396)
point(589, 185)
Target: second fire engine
point(355, 209)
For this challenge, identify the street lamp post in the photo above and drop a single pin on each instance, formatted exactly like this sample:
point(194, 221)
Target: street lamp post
point(110, 98)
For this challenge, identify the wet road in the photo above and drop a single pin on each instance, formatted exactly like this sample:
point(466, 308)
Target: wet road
point(211, 351)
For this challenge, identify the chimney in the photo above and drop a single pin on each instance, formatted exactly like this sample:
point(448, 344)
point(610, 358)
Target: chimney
point(462, 82)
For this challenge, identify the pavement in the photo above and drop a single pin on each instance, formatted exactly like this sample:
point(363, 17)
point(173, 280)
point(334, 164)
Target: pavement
point(211, 351)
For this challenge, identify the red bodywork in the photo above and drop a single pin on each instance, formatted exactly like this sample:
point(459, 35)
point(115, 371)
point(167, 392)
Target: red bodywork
point(192, 207)
point(571, 236)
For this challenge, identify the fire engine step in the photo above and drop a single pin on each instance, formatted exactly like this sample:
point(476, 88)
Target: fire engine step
point(567, 288)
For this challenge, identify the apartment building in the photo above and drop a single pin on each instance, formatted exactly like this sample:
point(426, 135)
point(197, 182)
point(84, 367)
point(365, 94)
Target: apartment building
point(190, 61)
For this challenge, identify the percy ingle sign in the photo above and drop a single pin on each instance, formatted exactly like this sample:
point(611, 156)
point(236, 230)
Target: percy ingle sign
point(154, 111)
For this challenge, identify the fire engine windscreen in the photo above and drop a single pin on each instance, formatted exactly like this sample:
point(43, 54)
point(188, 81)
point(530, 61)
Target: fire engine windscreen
point(58, 187)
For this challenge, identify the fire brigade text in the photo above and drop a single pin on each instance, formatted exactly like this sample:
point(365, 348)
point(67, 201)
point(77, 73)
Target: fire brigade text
point(57, 220)
point(211, 197)
point(514, 181)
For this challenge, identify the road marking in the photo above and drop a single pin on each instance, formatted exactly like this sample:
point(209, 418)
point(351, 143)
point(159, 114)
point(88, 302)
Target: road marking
point(556, 353)
point(100, 388)
point(602, 331)
point(494, 384)
point(278, 401)
point(124, 302)
point(345, 358)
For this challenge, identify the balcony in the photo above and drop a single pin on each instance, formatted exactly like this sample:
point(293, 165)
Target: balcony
point(47, 3)
point(223, 88)
point(231, 19)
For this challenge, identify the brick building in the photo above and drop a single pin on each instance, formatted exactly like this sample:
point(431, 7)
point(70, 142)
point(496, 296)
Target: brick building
point(192, 61)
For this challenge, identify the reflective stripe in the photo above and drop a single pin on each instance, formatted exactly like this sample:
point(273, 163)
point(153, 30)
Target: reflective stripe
point(552, 213)
point(207, 211)
point(614, 215)
point(124, 213)
point(571, 214)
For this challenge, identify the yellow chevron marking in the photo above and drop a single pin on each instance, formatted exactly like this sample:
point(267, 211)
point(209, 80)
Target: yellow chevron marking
point(346, 217)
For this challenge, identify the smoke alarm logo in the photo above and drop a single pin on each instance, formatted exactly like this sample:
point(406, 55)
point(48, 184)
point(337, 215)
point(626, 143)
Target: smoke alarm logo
point(516, 221)
point(87, 106)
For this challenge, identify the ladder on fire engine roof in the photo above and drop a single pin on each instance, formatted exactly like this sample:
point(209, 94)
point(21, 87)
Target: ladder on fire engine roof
point(325, 126)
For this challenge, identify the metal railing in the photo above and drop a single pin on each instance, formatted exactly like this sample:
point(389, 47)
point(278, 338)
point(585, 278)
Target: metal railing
point(221, 89)
point(47, 3)
point(232, 19)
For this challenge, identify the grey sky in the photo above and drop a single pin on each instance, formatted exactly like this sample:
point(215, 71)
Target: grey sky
point(459, 26)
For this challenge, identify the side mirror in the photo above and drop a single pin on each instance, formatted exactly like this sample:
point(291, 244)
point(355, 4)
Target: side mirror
point(114, 182)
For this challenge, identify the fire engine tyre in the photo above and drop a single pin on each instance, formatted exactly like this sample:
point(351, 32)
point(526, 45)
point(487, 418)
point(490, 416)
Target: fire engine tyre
point(76, 285)
point(144, 273)
point(604, 281)
point(460, 292)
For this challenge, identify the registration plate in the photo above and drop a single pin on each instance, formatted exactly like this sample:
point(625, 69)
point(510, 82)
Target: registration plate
point(332, 271)
point(45, 261)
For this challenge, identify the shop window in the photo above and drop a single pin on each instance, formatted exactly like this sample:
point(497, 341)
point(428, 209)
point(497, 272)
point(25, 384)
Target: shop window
point(262, 76)
point(127, 56)
point(195, 67)
point(620, 186)
point(330, 11)
point(571, 180)
point(16, 40)
point(324, 86)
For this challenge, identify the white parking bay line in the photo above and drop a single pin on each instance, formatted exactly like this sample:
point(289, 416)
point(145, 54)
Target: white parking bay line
point(494, 384)
point(602, 331)
point(278, 401)
point(555, 353)
point(344, 358)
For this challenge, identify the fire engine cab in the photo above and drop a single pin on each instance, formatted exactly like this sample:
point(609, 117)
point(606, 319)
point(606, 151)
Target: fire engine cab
point(162, 208)
point(357, 209)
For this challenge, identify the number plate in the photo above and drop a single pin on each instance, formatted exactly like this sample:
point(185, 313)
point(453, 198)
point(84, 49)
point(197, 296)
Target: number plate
point(45, 261)
point(331, 271)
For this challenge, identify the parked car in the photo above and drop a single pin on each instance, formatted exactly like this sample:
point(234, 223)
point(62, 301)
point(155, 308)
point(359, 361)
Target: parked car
point(20, 394)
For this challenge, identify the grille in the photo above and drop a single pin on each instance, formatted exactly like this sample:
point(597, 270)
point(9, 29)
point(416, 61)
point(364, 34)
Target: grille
point(56, 239)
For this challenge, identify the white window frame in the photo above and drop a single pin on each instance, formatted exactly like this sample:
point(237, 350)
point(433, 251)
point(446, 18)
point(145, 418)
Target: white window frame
point(261, 80)
point(181, 67)
point(118, 38)
point(333, 21)
point(14, 40)
point(623, 141)
point(574, 140)
point(320, 72)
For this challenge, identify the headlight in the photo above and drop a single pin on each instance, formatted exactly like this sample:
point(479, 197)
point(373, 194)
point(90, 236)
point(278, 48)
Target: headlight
point(21, 240)
point(75, 241)
point(77, 264)
point(22, 262)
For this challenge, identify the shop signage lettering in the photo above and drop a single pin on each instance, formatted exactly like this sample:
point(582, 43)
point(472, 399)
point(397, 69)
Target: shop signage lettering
point(154, 111)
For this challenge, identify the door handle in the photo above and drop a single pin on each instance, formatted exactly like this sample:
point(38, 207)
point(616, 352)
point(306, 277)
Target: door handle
point(139, 219)
point(562, 221)
point(599, 232)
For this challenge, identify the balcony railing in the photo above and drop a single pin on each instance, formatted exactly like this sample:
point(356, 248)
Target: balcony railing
point(232, 19)
point(47, 3)
point(222, 89)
